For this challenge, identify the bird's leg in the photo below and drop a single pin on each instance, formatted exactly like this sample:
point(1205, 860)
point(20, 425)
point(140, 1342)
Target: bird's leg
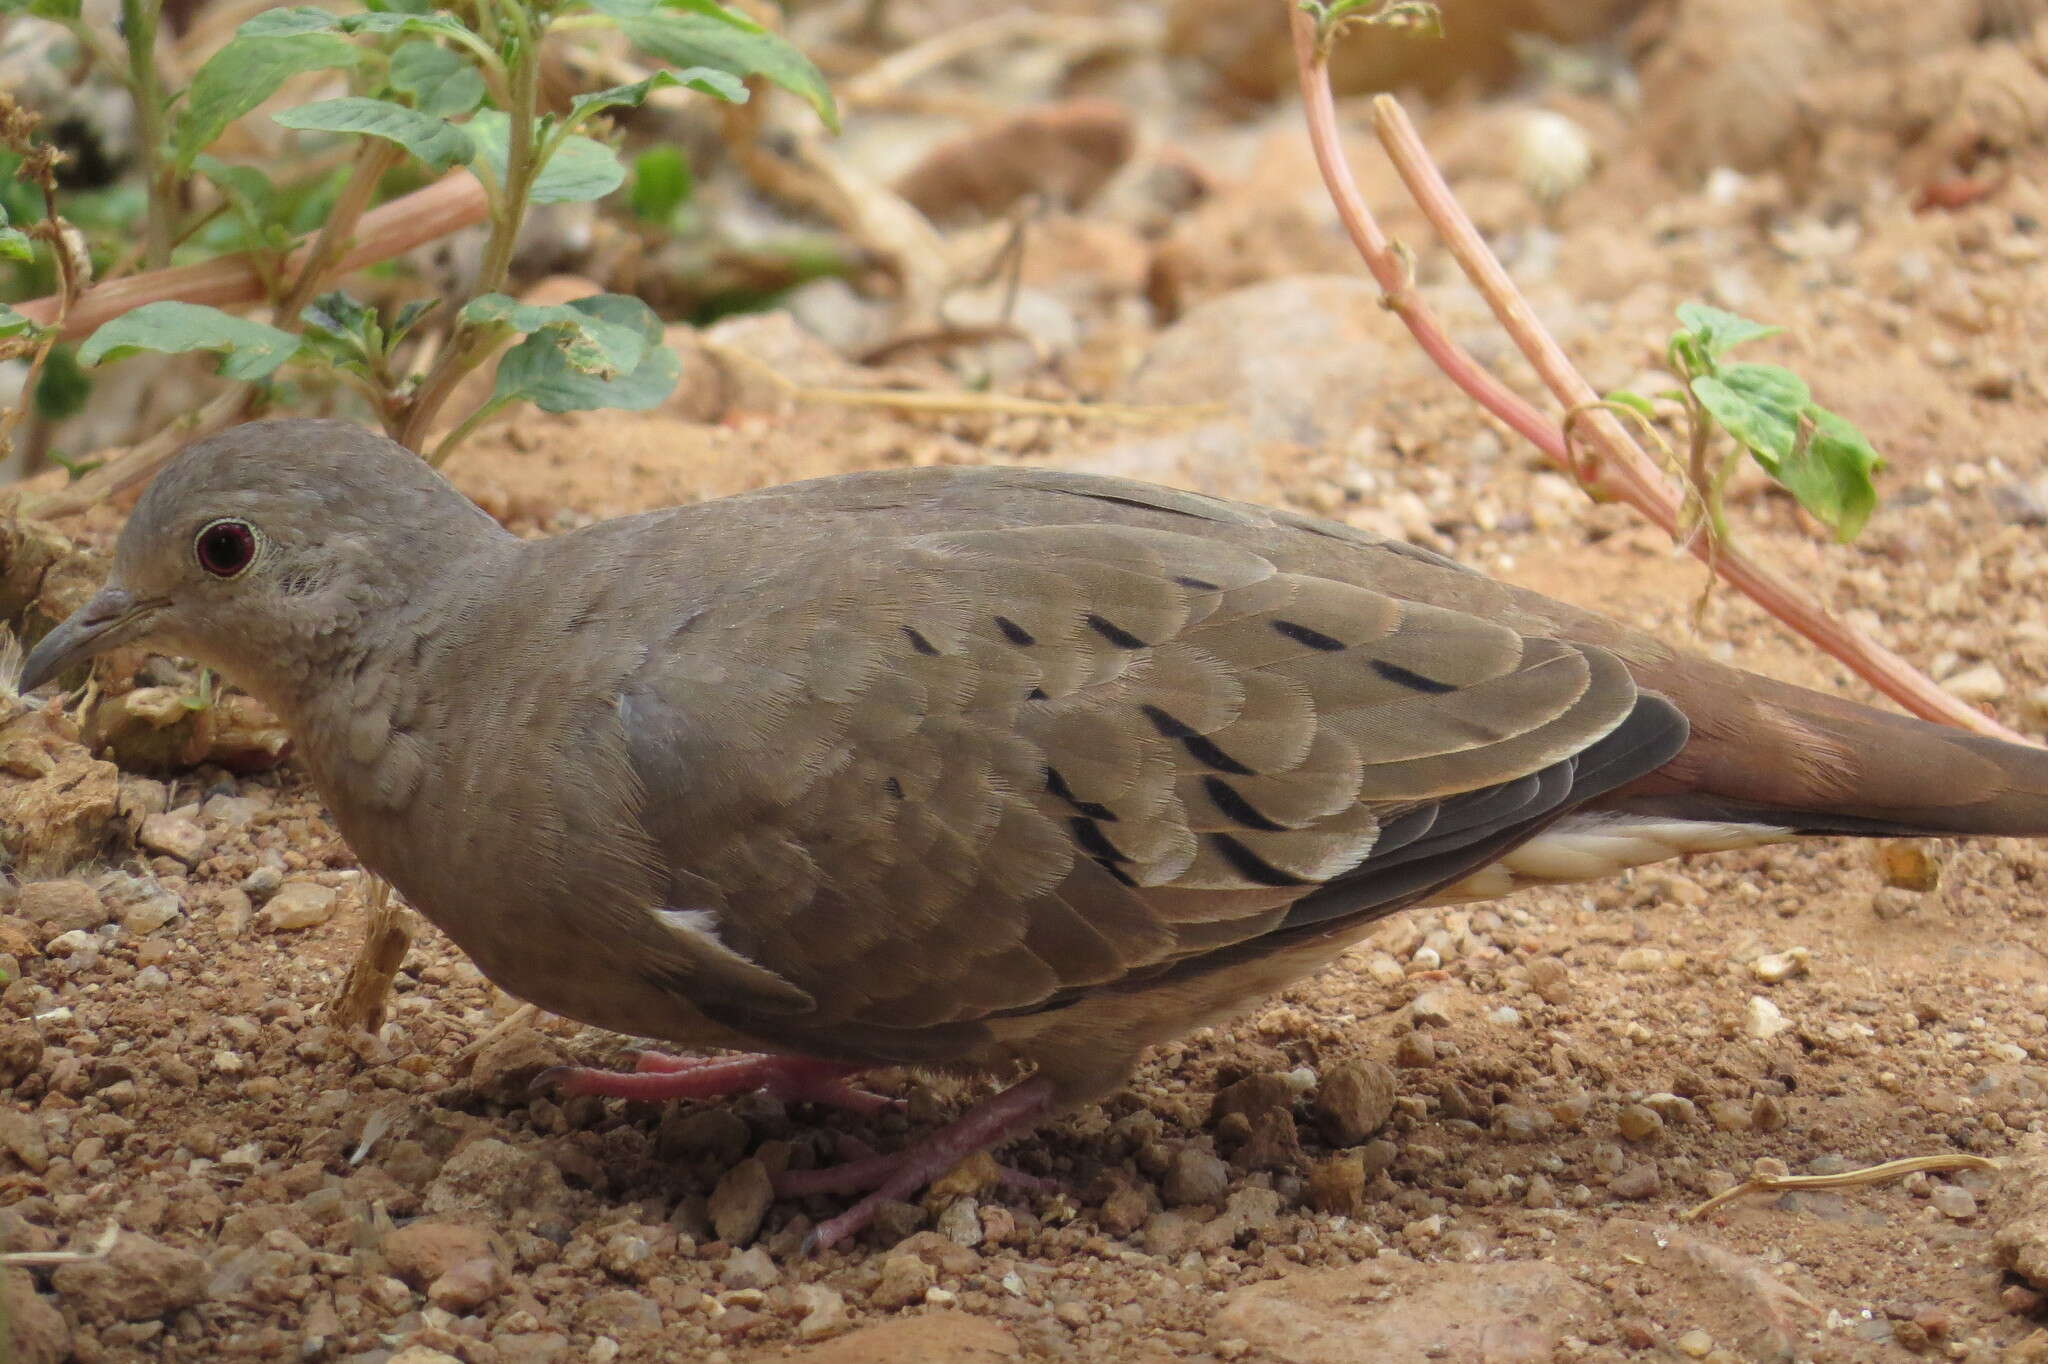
point(994, 1120)
point(656, 1076)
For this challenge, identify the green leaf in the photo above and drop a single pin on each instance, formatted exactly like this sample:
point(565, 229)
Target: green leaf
point(721, 84)
point(63, 388)
point(42, 9)
point(699, 33)
point(250, 350)
point(13, 323)
point(1759, 405)
point(436, 141)
point(287, 22)
point(15, 245)
point(438, 25)
point(1717, 331)
point(438, 82)
point(580, 169)
point(661, 183)
point(590, 344)
point(1831, 474)
point(247, 190)
point(539, 371)
point(241, 76)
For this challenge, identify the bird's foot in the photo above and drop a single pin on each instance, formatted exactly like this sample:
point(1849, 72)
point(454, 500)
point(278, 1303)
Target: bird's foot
point(792, 1079)
point(994, 1120)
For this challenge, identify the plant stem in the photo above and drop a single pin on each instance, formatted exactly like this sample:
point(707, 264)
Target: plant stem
point(373, 159)
point(138, 24)
point(1625, 471)
point(508, 213)
point(484, 412)
point(223, 411)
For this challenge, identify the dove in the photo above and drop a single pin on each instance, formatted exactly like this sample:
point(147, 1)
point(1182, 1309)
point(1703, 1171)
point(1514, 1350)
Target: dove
point(1000, 772)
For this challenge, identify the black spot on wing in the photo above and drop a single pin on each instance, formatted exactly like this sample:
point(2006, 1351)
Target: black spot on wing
point(1251, 866)
point(1409, 678)
point(920, 643)
point(1313, 639)
point(1200, 747)
point(1114, 633)
point(1015, 633)
point(1036, 694)
point(1057, 785)
point(1094, 842)
point(1197, 584)
point(893, 787)
point(1236, 808)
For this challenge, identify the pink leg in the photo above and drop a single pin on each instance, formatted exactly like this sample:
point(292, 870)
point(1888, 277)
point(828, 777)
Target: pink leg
point(1011, 1113)
point(655, 1076)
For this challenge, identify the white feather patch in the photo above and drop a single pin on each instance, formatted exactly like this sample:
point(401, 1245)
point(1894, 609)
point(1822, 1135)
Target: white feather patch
point(1590, 847)
point(700, 924)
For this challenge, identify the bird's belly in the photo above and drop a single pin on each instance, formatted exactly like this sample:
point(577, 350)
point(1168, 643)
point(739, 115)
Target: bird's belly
point(1589, 847)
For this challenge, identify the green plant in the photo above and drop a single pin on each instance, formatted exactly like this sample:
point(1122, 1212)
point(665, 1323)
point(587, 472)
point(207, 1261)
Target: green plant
point(428, 92)
point(1817, 456)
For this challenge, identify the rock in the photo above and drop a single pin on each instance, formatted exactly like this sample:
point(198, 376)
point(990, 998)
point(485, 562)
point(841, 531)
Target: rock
point(230, 812)
point(1551, 979)
point(1125, 1209)
point(297, 905)
point(423, 1250)
point(960, 1222)
point(1509, 1312)
point(61, 906)
point(1170, 1235)
point(1250, 1211)
point(1763, 1019)
point(1337, 1185)
point(1981, 683)
point(749, 1268)
point(178, 836)
point(64, 819)
point(503, 1182)
point(22, 1134)
point(468, 1285)
point(262, 883)
point(150, 912)
point(740, 1202)
point(422, 1354)
point(1253, 1095)
point(1354, 1101)
point(1638, 1122)
point(2021, 1210)
point(36, 1329)
point(1908, 865)
point(21, 1053)
point(620, 1312)
point(1953, 1201)
point(139, 1280)
point(503, 1068)
point(1774, 968)
point(824, 1311)
point(717, 1136)
point(1064, 152)
point(903, 1281)
point(1637, 1183)
point(1194, 1176)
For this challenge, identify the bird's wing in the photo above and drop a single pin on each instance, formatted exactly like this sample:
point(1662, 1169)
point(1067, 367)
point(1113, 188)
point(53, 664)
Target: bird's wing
point(952, 776)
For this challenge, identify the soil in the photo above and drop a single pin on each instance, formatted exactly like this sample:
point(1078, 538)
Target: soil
point(1474, 1138)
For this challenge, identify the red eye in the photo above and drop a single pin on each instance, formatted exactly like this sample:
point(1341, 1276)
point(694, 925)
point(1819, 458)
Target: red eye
point(224, 548)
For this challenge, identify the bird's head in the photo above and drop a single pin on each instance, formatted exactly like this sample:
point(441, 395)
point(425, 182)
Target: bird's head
point(256, 551)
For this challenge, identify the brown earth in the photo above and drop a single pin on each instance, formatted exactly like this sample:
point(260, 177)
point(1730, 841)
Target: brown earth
point(1472, 1139)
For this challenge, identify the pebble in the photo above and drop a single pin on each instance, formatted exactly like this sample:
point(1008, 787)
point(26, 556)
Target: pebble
point(1695, 1343)
point(261, 883)
point(1774, 968)
point(1981, 683)
point(960, 1222)
point(179, 836)
point(1953, 1201)
point(903, 1281)
point(740, 1202)
point(824, 1311)
point(1550, 979)
point(298, 905)
point(1195, 1176)
point(1764, 1019)
point(1415, 1050)
point(150, 913)
point(1641, 959)
point(749, 1268)
point(468, 1285)
point(1908, 865)
point(61, 905)
point(1636, 1183)
point(1891, 902)
point(1639, 1122)
point(1354, 1101)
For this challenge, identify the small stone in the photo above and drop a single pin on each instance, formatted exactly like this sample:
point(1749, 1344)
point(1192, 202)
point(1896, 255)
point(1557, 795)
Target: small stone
point(61, 905)
point(22, 1134)
point(1890, 902)
point(1953, 1201)
point(1641, 960)
point(715, 1134)
point(1337, 1185)
point(1908, 865)
point(1981, 683)
point(1253, 1095)
point(298, 905)
point(749, 1268)
point(903, 1281)
point(138, 1280)
point(1430, 1008)
point(824, 1311)
point(179, 836)
point(468, 1285)
point(1551, 979)
point(1695, 1343)
point(1636, 1183)
point(426, 1248)
point(1639, 1122)
point(1354, 1101)
point(1764, 1020)
point(740, 1201)
point(1774, 968)
point(37, 1331)
point(960, 1222)
point(149, 913)
point(1195, 1176)
point(1767, 1114)
point(1729, 1115)
point(262, 883)
point(78, 941)
point(1414, 1051)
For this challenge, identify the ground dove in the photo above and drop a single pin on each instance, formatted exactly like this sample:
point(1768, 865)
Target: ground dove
point(1009, 771)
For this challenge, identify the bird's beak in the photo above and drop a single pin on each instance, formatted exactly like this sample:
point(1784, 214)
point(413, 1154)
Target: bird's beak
point(112, 617)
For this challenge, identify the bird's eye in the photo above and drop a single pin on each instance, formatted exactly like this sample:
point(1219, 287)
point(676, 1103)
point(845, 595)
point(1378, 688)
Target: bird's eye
point(224, 548)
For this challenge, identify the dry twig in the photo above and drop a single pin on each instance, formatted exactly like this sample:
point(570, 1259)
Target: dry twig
point(1620, 469)
point(1847, 1179)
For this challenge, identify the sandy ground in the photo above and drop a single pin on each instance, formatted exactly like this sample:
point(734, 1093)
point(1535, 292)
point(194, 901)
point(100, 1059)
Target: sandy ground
point(1471, 1139)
